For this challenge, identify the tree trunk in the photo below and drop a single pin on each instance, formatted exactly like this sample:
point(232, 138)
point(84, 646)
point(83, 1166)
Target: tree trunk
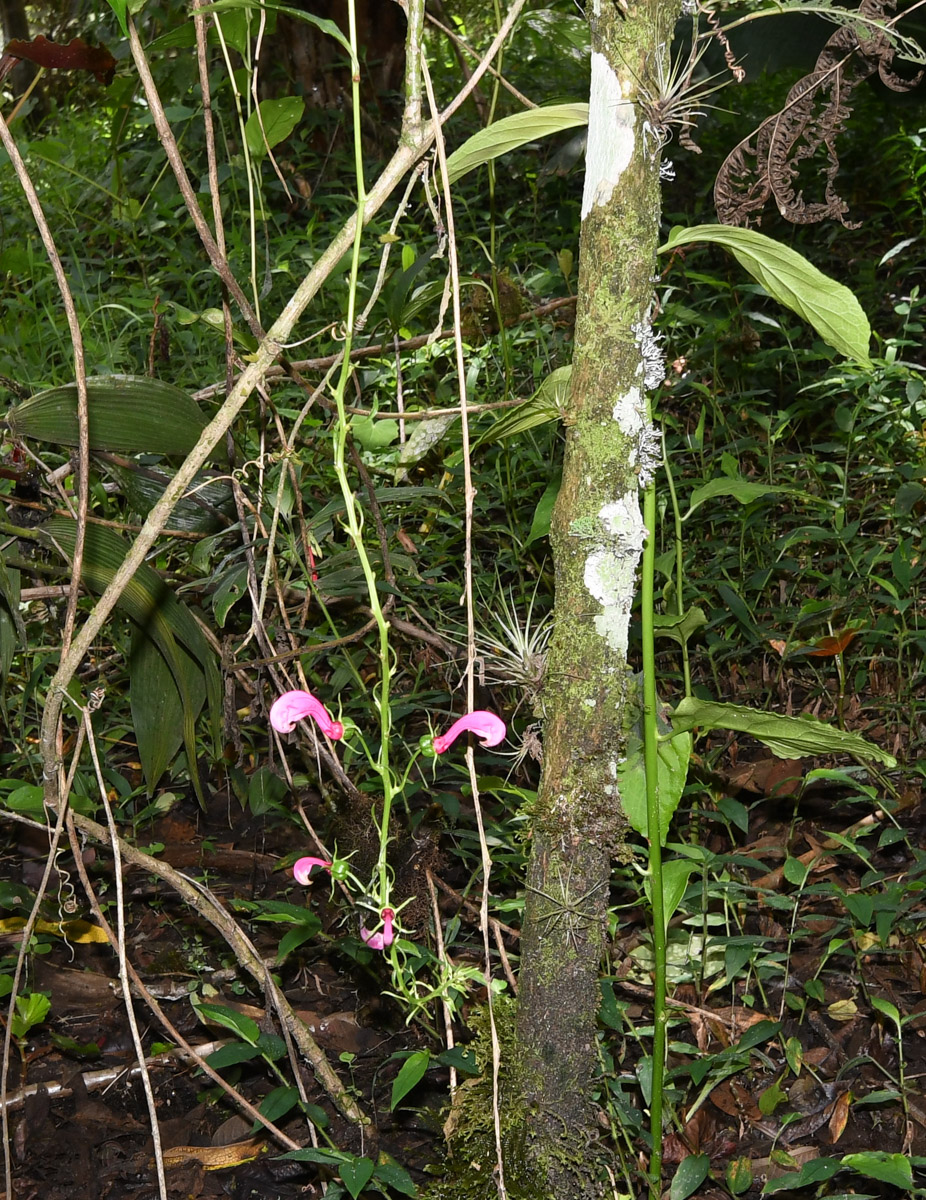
point(597, 537)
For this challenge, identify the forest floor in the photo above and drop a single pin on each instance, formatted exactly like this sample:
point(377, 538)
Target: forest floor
point(835, 947)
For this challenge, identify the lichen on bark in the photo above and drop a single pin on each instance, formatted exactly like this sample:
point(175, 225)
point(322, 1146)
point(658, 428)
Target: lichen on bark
point(596, 536)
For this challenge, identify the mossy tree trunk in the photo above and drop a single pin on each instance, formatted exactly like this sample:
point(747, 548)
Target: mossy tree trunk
point(597, 537)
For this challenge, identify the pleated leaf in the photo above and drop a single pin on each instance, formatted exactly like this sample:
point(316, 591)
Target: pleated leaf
point(126, 413)
point(511, 132)
point(157, 612)
point(156, 703)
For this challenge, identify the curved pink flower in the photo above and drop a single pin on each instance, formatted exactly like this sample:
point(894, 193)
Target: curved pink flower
point(385, 937)
point(489, 728)
point(302, 869)
point(296, 706)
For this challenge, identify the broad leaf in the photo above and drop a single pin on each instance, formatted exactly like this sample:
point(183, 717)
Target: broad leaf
point(229, 1018)
point(272, 122)
point(672, 757)
point(547, 404)
point(789, 278)
point(887, 1168)
point(543, 513)
point(787, 737)
point(511, 132)
point(356, 1174)
point(740, 489)
point(679, 628)
point(691, 1173)
point(155, 609)
point(329, 28)
point(412, 1072)
point(125, 412)
point(158, 705)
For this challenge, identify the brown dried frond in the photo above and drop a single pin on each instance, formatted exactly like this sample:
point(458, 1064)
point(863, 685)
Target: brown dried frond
point(816, 111)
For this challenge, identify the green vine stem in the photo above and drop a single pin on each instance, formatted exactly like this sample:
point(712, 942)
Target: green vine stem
point(650, 759)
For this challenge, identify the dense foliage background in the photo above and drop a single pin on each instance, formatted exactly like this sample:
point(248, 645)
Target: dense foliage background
point(797, 964)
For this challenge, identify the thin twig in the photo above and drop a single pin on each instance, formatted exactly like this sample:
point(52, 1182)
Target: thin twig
point(469, 496)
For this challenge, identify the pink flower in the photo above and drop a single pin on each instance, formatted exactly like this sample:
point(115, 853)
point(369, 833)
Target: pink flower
point(303, 868)
point(379, 941)
point(489, 728)
point(296, 706)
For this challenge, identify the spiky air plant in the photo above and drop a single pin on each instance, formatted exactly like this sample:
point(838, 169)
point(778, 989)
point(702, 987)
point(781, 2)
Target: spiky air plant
point(511, 652)
point(671, 98)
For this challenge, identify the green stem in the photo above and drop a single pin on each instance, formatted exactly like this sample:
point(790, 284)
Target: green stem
point(679, 563)
point(352, 513)
point(655, 836)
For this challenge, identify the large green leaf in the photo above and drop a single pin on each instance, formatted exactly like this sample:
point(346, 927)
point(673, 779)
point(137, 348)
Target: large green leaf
point(789, 278)
point(547, 404)
point(126, 412)
point(157, 704)
point(786, 737)
point(511, 132)
point(742, 490)
point(671, 772)
point(272, 122)
point(156, 611)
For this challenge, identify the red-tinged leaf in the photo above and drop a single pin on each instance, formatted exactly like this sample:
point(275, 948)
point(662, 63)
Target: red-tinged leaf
point(75, 56)
point(829, 647)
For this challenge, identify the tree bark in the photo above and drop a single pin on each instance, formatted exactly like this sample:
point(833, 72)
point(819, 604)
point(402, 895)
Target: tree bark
point(597, 537)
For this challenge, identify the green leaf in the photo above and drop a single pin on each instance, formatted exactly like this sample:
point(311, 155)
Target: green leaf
point(232, 1055)
point(675, 876)
point(786, 737)
point(691, 1173)
point(547, 404)
point(120, 8)
point(789, 278)
point(818, 1170)
point(372, 434)
point(511, 132)
point(229, 1018)
point(738, 1175)
point(394, 1176)
point(158, 705)
point(672, 758)
point(885, 1007)
point(278, 1103)
point(356, 1174)
point(329, 28)
point(423, 438)
point(679, 628)
point(887, 1168)
point(153, 607)
point(543, 513)
point(272, 122)
point(741, 490)
point(411, 1074)
point(126, 413)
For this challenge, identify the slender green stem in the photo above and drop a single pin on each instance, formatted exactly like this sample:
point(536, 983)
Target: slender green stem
point(679, 563)
point(353, 516)
point(655, 836)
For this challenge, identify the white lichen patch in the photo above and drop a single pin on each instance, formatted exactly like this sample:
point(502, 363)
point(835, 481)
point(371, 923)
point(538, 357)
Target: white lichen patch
point(611, 120)
point(623, 520)
point(628, 411)
point(611, 569)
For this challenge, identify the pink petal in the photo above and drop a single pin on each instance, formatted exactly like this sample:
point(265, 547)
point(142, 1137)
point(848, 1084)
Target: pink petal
point(296, 706)
point(489, 728)
point(373, 940)
point(379, 941)
point(302, 869)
